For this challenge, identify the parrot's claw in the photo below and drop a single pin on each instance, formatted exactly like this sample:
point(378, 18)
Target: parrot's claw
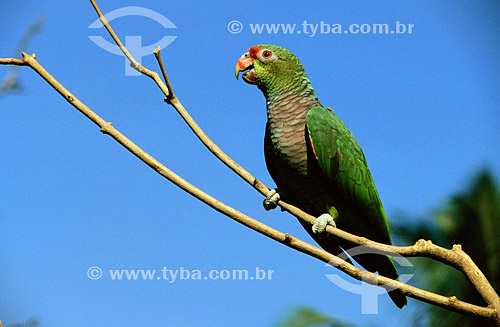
point(271, 199)
point(320, 224)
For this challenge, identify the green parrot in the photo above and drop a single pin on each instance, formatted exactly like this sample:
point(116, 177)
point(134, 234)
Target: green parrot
point(315, 161)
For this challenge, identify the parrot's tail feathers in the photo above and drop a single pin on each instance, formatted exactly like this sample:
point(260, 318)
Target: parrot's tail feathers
point(389, 270)
point(398, 298)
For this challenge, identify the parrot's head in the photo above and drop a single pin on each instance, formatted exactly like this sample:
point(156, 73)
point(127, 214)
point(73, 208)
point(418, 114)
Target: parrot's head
point(270, 67)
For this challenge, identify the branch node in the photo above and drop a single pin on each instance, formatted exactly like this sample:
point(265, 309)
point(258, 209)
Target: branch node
point(457, 247)
point(256, 183)
point(423, 243)
point(105, 128)
point(287, 239)
point(137, 66)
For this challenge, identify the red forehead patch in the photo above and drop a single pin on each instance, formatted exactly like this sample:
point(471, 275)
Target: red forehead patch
point(253, 51)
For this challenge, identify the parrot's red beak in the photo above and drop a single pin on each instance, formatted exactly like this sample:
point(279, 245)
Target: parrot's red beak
point(245, 65)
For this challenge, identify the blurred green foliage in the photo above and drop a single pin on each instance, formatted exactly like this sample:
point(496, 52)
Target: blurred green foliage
point(472, 219)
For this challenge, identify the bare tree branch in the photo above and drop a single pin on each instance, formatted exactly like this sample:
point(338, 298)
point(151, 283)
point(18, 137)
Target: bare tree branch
point(157, 54)
point(454, 257)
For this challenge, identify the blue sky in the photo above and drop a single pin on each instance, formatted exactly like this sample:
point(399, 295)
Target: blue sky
point(424, 107)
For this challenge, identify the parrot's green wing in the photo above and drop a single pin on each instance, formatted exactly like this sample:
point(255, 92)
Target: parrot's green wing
point(343, 163)
point(352, 191)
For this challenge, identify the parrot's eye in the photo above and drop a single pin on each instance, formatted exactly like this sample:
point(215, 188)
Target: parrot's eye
point(267, 54)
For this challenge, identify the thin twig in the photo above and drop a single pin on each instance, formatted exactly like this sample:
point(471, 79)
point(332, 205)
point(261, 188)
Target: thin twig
point(12, 61)
point(171, 95)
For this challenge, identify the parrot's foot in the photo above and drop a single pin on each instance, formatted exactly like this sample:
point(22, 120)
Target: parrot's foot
point(271, 199)
point(321, 222)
